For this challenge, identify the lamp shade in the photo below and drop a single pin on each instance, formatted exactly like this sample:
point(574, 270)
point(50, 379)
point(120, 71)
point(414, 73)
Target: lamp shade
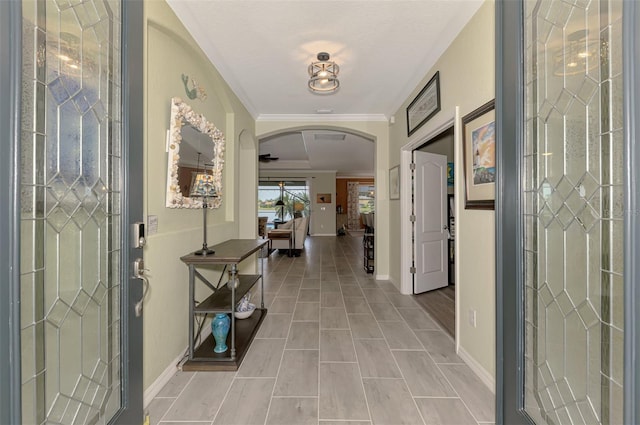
point(280, 203)
point(202, 186)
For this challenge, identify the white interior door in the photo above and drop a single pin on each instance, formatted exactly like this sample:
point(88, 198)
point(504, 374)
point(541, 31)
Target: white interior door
point(430, 208)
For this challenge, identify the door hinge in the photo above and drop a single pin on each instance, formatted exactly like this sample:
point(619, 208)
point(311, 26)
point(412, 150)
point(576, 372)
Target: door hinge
point(412, 270)
point(412, 166)
point(412, 218)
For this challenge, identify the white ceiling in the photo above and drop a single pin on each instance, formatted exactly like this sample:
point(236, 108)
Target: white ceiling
point(262, 49)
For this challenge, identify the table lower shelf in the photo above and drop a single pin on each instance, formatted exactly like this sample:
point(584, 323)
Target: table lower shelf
point(205, 359)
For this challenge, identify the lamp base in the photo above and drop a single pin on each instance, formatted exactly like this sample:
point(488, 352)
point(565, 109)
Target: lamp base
point(204, 251)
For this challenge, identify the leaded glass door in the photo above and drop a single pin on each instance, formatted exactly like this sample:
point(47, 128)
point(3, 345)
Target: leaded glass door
point(565, 306)
point(573, 212)
point(75, 292)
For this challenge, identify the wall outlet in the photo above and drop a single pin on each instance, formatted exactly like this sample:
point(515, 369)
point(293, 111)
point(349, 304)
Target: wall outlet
point(472, 318)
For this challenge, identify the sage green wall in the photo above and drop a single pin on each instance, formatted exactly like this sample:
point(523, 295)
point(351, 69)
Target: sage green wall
point(169, 52)
point(467, 74)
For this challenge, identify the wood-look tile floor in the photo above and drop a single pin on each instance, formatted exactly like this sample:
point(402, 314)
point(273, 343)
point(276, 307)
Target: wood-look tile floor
point(441, 305)
point(337, 347)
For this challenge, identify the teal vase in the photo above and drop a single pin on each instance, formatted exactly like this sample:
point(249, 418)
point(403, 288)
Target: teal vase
point(220, 329)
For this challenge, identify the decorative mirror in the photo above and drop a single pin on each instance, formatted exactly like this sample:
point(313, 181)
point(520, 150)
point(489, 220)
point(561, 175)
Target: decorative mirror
point(196, 146)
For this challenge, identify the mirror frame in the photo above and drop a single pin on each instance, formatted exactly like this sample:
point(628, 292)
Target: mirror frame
point(181, 113)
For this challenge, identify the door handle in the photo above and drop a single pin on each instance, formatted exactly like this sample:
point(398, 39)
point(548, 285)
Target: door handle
point(446, 228)
point(138, 273)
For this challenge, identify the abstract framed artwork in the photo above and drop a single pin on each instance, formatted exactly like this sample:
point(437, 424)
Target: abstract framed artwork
point(479, 149)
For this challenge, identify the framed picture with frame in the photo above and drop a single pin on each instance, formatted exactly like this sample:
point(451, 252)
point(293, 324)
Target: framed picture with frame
point(479, 150)
point(425, 105)
point(394, 182)
point(323, 198)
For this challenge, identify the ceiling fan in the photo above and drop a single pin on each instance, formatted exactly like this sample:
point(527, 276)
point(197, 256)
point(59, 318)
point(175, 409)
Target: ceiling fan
point(266, 157)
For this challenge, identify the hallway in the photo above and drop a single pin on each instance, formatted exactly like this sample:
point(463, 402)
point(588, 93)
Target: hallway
point(337, 347)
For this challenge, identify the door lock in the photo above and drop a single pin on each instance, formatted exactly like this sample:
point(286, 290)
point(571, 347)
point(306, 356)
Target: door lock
point(138, 236)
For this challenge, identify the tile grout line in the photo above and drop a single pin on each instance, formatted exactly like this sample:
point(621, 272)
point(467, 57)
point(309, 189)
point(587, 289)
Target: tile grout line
point(433, 360)
point(439, 369)
point(176, 399)
point(284, 348)
point(456, 391)
point(398, 365)
point(235, 375)
point(319, 336)
point(353, 343)
point(443, 374)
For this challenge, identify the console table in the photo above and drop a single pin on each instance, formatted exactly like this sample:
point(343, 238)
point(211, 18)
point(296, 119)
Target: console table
point(224, 300)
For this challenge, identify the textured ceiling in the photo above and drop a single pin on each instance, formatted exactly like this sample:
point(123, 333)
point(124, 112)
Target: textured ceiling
point(262, 49)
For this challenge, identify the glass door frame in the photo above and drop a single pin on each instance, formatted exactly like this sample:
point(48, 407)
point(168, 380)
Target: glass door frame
point(10, 116)
point(11, 87)
point(509, 241)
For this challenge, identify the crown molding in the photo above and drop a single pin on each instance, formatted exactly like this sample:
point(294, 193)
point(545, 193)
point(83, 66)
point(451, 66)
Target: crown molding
point(275, 172)
point(355, 175)
point(321, 117)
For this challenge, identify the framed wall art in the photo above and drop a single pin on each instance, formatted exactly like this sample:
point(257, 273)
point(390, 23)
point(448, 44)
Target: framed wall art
point(479, 149)
point(425, 105)
point(323, 198)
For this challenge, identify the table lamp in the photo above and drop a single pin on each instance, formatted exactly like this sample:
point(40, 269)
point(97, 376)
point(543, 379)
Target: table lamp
point(202, 186)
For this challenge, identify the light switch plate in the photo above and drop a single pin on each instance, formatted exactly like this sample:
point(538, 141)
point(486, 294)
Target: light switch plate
point(152, 224)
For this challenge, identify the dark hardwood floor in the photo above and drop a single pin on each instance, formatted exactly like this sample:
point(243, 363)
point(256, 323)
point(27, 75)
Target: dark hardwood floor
point(441, 305)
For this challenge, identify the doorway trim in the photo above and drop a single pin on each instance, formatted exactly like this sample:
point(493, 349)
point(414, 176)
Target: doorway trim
point(451, 118)
point(406, 247)
point(10, 83)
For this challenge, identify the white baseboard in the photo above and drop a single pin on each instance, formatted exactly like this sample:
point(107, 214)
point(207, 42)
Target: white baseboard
point(323, 234)
point(152, 391)
point(480, 371)
point(383, 277)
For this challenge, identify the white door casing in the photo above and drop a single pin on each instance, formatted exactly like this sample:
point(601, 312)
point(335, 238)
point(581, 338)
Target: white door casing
point(431, 234)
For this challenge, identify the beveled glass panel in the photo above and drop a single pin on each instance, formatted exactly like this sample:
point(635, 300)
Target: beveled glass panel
point(70, 282)
point(573, 229)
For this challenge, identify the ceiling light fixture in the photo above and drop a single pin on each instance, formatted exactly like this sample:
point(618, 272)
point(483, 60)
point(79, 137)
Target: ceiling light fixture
point(577, 55)
point(323, 75)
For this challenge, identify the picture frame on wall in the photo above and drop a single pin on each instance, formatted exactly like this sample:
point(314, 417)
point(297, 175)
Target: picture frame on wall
point(323, 198)
point(394, 182)
point(425, 105)
point(479, 151)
